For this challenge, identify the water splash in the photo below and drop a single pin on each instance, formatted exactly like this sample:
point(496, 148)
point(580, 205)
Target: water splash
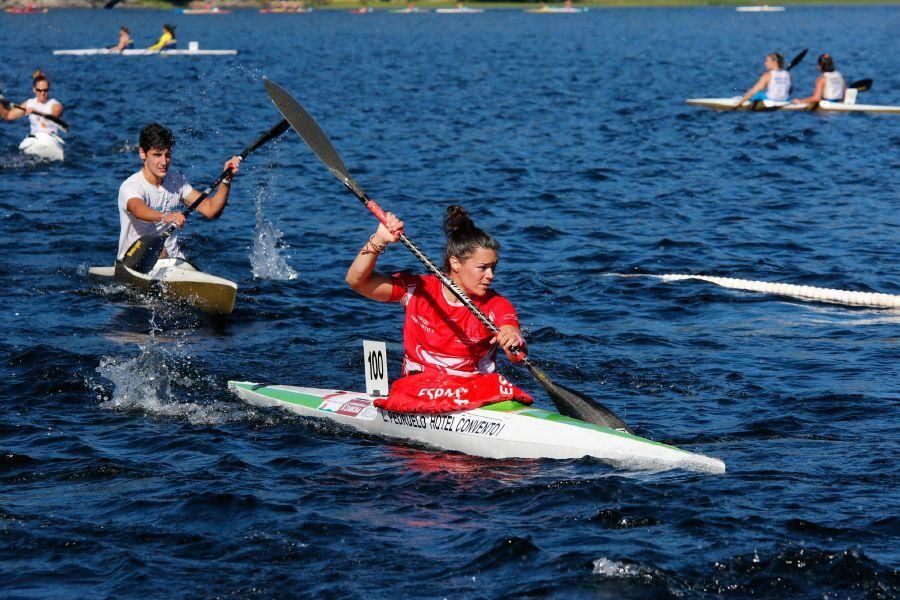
point(148, 383)
point(266, 257)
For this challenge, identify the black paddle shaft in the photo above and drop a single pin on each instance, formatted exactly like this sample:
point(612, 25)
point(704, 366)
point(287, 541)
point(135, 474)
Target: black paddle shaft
point(569, 402)
point(58, 120)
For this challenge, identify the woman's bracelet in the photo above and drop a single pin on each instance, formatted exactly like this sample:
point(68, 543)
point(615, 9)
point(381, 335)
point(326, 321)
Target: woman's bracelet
point(376, 249)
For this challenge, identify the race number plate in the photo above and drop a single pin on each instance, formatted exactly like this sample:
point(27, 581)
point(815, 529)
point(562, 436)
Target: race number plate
point(376, 368)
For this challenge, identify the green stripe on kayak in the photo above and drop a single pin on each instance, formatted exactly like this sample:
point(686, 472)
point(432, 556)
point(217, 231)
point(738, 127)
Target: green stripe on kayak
point(546, 415)
point(306, 400)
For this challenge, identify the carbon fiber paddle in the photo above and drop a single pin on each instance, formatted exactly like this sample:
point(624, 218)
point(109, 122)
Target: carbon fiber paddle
point(567, 401)
point(145, 251)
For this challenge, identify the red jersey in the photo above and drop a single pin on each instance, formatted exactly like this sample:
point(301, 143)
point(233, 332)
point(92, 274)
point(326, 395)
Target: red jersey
point(442, 336)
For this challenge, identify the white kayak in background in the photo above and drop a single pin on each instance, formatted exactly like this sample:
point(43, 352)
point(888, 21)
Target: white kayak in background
point(771, 105)
point(193, 49)
point(460, 10)
point(503, 430)
point(177, 280)
point(47, 146)
point(557, 10)
point(760, 8)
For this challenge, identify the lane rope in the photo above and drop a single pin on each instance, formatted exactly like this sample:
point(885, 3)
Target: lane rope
point(802, 292)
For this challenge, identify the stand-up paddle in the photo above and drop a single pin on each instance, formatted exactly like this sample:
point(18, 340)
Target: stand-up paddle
point(145, 251)
point(568, 402)
point(49, 117)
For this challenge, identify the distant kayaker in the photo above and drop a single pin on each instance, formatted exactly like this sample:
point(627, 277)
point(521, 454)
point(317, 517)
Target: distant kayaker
point(41, 103)
point(149, 200)
point(125, 40)
point(830, 84)
point(166, 41)
point(774, 84)
point(440, 334)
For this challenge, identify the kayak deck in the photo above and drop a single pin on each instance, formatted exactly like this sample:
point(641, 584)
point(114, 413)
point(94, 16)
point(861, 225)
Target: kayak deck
point(502, 430)
point(772, 105)
point(177, 280)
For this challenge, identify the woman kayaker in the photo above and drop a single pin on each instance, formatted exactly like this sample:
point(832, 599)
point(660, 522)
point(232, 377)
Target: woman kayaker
point(41, 103)
point(774, 84)
point(125, 40)
point(166, 41)
point(439, 333)
point(830, 84)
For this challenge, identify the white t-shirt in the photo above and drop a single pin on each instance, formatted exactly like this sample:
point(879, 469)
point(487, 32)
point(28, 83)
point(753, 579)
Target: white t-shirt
point(40, 124)
point(168, 197)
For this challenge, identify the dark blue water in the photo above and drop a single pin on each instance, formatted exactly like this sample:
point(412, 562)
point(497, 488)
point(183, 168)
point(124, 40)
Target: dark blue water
point(127, 469)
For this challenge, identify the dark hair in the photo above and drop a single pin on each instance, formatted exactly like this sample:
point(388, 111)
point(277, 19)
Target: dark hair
point(826, 64)
point(778, 59)
point(38, 76)
point(155, 135)
point(125, 29)
point(170, 29)
point(463, 238)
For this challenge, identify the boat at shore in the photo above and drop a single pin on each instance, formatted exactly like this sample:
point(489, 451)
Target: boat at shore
point(204, 11)
point(759, 8)
point(178, 281)
point(502, 430)
point(43, 145)
point(459, 10)
point(192, 50)
point(771, 105)
point(557, 10)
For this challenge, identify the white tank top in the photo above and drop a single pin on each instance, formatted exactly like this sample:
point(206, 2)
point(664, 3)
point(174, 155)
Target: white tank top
point(834, 86)
point(779, 87)
point(40, 124)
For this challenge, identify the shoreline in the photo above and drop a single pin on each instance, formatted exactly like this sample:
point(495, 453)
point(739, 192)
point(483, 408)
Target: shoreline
point(378, 5)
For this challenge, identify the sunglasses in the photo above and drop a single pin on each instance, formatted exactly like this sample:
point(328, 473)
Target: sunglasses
point(42, 90)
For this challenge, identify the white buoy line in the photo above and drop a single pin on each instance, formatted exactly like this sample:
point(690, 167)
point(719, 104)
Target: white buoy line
point(802, 292)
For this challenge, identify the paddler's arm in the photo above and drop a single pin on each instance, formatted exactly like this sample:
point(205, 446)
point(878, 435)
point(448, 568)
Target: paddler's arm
point(817, 92)
point(140, 210)
point(213, 206)
point(760, 85)
point(361, 276)
point(13, 113)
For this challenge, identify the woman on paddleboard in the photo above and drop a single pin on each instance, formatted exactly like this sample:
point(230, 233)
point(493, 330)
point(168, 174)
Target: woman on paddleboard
point(440, 334)
point(830, 84)
point(774, 84)
point(41, 103)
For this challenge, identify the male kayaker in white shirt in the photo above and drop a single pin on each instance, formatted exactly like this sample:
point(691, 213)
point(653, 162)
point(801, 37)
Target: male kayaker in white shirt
point(149, 200)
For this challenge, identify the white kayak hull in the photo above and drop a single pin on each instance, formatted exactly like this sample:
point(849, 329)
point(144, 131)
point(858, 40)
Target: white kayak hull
point(503, 430)
point(143, 52)
point(45, 146)
point(770, 105)
point(759, 8)
point(557, 10)
point(176, 280)
point(459, 11)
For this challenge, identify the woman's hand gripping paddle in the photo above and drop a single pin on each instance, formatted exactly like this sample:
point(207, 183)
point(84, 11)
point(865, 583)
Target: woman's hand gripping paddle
point(145, 251)
point(568, 402)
